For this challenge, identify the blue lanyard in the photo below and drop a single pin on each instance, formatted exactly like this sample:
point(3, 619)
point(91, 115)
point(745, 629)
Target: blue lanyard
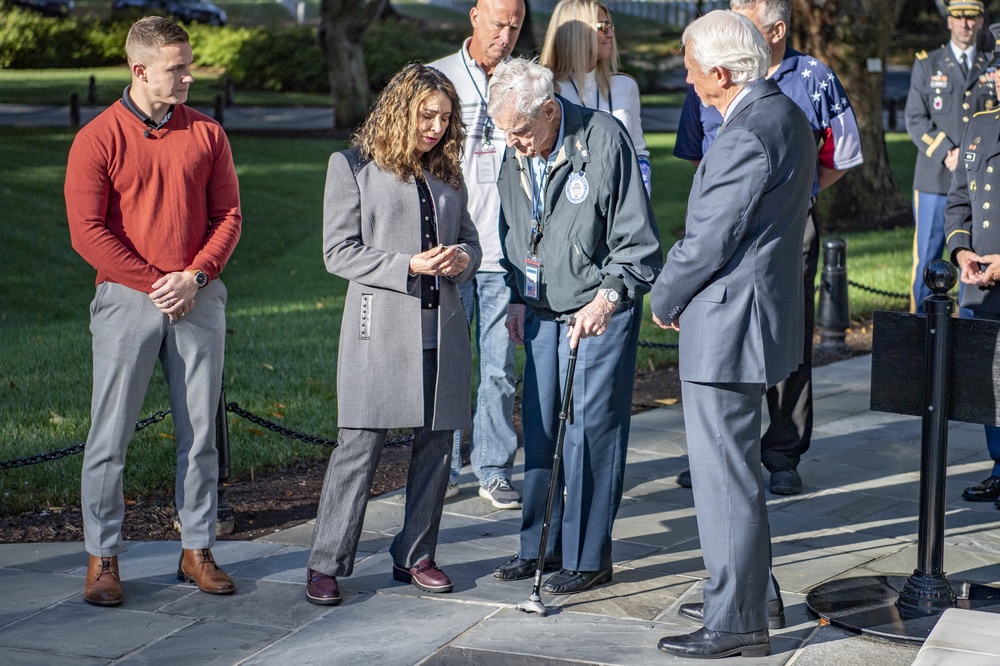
point(487, 121)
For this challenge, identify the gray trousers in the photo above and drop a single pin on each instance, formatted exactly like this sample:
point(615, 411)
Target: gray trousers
point(723, 436)
point(348, 480)
point(129, 335)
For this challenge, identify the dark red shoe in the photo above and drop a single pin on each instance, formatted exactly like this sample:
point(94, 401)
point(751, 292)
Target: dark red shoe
point(425, 575)
point(322, 589)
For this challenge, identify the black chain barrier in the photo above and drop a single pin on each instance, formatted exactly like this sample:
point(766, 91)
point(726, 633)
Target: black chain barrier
point(324, 441)
point(159, 416)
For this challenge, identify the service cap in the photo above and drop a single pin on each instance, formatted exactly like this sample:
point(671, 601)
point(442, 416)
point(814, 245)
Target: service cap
point(965, 8)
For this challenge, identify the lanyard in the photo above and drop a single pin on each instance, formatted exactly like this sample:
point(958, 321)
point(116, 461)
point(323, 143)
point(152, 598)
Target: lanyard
point(487, 121)
point(538, 189)
point(597, 97)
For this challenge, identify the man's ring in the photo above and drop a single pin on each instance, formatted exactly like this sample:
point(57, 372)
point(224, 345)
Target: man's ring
point(170, 304)
point(182, 314)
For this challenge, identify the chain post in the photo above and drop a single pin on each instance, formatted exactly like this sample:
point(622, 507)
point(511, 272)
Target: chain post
point(833, 312)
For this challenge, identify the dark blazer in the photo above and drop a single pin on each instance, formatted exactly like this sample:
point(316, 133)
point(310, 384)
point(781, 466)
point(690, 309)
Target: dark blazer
point(735, 279)
point(940, 103)
point(972, 214)
point(371, 228)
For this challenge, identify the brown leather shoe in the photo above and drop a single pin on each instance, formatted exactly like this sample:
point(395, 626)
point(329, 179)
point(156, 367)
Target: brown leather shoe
point(322, 589)
point(103, 586)
point(425, 575)
point(198, 567)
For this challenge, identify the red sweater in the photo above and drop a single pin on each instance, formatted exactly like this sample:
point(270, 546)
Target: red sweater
point(140, 207)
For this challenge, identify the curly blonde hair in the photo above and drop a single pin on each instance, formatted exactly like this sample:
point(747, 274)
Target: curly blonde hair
point(388, 136)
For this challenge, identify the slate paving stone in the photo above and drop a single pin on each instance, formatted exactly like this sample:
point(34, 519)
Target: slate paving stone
point(300, 535)
point(450, 656)
point(206, 643)
point(831, 645)
point(141, 596)
point(257, 602)
point(57, 557)
point(633, 594)
point(670, 419)
point(287, 565)
point(665, 491)
point(655, 523)
point(14, 657)
point(83, 631)
point(25, 592)
point(387, 630)
point(663, 441)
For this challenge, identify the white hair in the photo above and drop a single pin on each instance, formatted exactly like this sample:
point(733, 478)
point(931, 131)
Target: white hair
point(730, 41)
point(519, 85)
point(774, 10)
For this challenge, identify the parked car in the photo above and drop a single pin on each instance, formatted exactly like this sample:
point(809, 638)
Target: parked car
point(187, 11)
point(46, 7)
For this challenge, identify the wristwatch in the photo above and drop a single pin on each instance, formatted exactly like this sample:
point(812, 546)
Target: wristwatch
point(200, 278)
point(610, 295)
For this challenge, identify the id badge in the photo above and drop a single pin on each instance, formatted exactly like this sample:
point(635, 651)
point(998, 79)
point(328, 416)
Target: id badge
point(486, 166)
point(532, 277)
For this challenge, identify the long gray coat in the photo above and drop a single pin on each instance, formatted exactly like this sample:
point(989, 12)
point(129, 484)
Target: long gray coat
point(371, 228)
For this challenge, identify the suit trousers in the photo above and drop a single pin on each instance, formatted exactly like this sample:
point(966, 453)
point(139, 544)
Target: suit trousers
point(790, 402)
point(129, 335)
point(348, 480)
point(722, 422)
point(596, 442)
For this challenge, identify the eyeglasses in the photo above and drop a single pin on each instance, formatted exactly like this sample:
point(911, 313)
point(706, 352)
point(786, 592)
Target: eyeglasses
point(605, 26)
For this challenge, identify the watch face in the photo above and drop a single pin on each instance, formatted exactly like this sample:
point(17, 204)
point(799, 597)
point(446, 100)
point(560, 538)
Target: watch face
point(201, 279)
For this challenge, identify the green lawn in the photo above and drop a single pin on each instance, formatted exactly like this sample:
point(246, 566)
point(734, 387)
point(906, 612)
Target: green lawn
point(283, 315)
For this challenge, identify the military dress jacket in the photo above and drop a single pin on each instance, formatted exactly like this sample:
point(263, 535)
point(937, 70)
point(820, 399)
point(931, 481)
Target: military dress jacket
point(972, 214)
point(939, 105)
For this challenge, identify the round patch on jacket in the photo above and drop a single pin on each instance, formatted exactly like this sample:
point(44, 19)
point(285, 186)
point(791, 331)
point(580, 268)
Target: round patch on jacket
point(577, 188)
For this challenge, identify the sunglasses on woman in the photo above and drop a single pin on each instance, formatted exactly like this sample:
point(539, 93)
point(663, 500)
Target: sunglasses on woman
point(605, 26)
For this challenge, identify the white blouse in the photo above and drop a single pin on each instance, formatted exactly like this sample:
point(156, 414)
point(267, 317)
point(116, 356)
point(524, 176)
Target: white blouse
point(624, 103)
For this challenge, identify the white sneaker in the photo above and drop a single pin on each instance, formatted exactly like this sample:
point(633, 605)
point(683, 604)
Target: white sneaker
point(452, 490)
point(501, 494)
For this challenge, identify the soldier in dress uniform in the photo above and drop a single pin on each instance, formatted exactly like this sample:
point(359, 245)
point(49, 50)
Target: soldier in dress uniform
point(947, 87)
point(973, 237)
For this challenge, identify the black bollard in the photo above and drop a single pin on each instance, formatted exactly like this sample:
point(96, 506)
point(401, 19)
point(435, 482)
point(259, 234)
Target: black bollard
point(230, 90)
point(92, 91)
point(893, 123)
point(927, 590)
point(74, 110)
point(226, 517)
point(219, 109)
point(833, 312)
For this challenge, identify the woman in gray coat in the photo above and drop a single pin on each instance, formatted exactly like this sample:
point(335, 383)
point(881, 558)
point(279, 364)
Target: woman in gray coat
point(395, 225)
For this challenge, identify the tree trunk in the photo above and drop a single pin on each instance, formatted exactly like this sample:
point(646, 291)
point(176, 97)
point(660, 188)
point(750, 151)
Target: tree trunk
point(845, 34)
point(342, 24)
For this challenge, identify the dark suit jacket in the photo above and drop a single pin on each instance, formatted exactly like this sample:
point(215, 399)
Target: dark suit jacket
point(735, 279)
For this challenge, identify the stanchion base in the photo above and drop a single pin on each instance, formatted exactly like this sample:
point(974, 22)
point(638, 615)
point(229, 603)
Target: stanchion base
point(868, 605)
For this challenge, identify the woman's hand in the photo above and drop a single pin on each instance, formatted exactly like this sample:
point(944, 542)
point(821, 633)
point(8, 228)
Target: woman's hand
point(441, 260)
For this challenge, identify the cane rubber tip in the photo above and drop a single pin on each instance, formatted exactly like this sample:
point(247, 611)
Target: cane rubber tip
point(531, 606)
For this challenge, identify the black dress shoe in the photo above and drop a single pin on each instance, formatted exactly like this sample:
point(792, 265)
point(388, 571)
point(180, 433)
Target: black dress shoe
point(987, 491)
point(517, 568)
point(684, 479)
point(786, 482)
point(570, 582)
point(775, 613)
point(708, 644)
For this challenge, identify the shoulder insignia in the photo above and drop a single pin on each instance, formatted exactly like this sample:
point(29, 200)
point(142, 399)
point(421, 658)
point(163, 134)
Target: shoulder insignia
point(921, 55)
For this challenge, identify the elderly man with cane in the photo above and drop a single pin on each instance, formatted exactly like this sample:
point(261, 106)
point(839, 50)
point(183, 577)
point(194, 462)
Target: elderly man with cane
point(733, 288)
point(581, 248)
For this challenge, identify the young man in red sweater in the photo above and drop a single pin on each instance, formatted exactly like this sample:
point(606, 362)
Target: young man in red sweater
point(153, 204)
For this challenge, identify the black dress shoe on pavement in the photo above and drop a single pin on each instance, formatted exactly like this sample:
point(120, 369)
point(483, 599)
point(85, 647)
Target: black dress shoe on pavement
point(570, 582)
point(517, 568)
point(322, 589)
point(708, 644)
point(987, 491)
point(684, 479)
point(786, 482)
point(775, 613)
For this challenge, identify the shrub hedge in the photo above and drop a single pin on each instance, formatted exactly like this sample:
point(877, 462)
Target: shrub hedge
point(258, 58)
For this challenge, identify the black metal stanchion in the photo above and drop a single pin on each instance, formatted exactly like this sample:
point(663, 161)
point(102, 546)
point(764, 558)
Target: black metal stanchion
point(901, 607)
point(833, 315)
point(92, 91)
point(225, 516)
point(927, 590)
point(220, 110)
point(74, 110)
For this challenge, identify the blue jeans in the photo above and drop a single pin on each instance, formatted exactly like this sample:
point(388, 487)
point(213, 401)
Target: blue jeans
point(928, 245)
point(494, 441)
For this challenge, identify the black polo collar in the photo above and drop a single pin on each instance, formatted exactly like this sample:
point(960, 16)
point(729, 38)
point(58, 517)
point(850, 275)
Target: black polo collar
point(137, 112)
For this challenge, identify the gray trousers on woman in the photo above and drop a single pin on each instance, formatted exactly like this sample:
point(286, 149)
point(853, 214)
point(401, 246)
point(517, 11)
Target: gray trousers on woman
point(130, 334)
point(348, 481)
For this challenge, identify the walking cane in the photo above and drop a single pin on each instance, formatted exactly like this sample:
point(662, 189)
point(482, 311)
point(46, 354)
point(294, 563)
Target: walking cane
point(534, 603)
